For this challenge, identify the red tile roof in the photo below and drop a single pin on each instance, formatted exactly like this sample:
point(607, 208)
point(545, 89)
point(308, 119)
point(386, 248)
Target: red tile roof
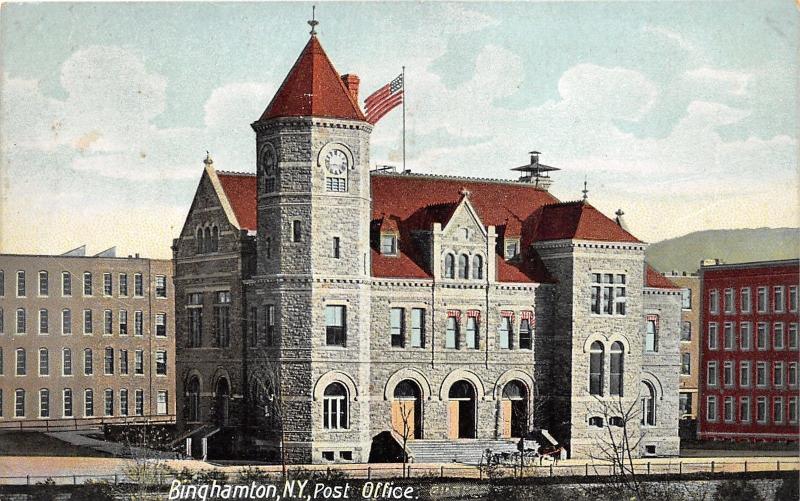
point(418, 201)
point(313, 88)
point(579, 221)
point(240, 188)
point(656, 280)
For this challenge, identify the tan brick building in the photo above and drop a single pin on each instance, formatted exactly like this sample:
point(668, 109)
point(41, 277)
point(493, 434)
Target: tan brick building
point(85, 339)
point(690, 341)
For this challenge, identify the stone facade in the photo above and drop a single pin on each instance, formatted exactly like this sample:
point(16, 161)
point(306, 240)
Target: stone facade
point(328, 354)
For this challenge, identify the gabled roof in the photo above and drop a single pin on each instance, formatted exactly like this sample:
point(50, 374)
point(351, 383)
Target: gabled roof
point(241, 192)
point(656, 280)
point(313, 87)
point(578, 221)
point(418, 201)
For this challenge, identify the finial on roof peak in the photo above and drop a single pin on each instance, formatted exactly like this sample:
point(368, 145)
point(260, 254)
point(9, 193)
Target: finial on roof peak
point(585, 190)
point(208, 160)
point(313, 22)
point(465, 192)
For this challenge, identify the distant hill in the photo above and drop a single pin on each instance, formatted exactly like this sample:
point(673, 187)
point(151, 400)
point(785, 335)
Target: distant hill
point(732, 246)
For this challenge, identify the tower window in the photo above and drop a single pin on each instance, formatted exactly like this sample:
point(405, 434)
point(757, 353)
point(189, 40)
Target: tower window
point(336, 247)
point(297, 231)
point(335, 325)
point(335, 184)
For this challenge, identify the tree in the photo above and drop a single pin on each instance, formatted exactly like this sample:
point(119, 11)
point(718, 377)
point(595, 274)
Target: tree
point(146, 472)
point(619, 442)
point(407, 421)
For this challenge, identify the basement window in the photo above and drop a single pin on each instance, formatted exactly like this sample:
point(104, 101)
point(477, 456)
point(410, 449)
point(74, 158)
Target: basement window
point(328, 456)
point(346, 455)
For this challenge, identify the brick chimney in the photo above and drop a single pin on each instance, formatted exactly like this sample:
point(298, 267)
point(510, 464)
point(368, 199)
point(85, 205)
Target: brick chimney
point(351, 82)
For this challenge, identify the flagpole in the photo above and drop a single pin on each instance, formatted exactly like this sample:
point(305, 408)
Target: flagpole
point(404, 118)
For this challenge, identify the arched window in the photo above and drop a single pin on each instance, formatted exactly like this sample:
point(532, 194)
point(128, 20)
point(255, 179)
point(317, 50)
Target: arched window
point(617, 368)
point(199, 242)
point(596, 368)
point(463, 266)
point(334, 407)
point(193, 399)
point(214, 239)
point(207, 239)
point(477, 267)
point(648, 399)
point(449, 266)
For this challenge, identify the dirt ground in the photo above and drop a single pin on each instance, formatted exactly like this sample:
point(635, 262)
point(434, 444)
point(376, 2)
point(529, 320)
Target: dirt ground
point(14, 443)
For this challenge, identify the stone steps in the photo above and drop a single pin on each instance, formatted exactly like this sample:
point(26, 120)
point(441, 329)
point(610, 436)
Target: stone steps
point(467, 451)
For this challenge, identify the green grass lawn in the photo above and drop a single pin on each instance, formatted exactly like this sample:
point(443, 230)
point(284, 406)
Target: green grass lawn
point(17, 443)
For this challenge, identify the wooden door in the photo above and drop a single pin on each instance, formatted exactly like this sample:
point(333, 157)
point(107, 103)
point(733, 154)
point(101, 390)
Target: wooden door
point(505, 412)
point(452, 429)
point(404, 416)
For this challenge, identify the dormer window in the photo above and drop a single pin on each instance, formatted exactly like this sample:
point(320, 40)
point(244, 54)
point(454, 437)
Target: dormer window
point(463, 266)
point(512, 248)
point(449, 270)
point(388, 244)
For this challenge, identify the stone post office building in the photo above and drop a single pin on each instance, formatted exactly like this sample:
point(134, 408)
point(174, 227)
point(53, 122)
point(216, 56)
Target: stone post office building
point(322, 305)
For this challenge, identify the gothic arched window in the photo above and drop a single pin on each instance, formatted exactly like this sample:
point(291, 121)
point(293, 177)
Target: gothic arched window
point(214, 239)
point(596, 352)
point(449, 266)
point(199, 242)
point(463, 266)
point(617, 368)
point(477, 267)
point(648, 399)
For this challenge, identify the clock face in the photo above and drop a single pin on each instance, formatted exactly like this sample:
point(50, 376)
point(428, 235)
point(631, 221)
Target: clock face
point(336, 162)
point(269, 160)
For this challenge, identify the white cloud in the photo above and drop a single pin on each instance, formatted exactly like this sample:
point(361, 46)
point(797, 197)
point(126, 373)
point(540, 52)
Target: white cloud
point(734, 83)
point(671, 35)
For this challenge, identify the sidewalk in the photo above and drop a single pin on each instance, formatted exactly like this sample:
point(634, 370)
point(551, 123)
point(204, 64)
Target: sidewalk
point(82, 438)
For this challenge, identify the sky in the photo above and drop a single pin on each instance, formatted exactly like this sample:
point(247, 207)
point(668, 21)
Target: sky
point(682, 114)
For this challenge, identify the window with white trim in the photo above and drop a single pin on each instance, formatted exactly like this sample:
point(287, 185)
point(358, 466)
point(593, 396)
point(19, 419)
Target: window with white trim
point(44, 403)
point(138, 362)
point(388, 244)
point(66, 402)
point(763, 299)
point(505, 332)
point(397, 326)
point(138, 285)
point(66, 322)
point(779, 298)
point(686, 298)
point(730, 304)
point(88, 403)
point(711, 374)
point(728, 336)
point(22, 362)
point(727, 410)
point(108, 322)
point(161, 363)
point(713, 301)
point(651, 333)
point(745, 335)
point(744, 374)
point(44, 321)
point(108, 285)
point(44, 284)
point(108, 401)
point(762, 336)
point(744, 409)
point(66, 283)
point(21, 321)
point(711, 408)
point(686, 364)
point(161, 324)
point(19, 403)
point(66, 362)
point(123, 322)
point(161, 286)
point(123, 284)
point(777, 374)
point(616, 380)
point(44, 362)
point(88, 362)
point(88, 325)
point(596, 356)
point(777, 410)
point(162, 402)
point(417, 327)
point(792, 374)
point(761, 374)
point(87, 283)
point(335, 407)
point(793, 337)
point(727, 373)
point(777, 335)
point(139, 402)
point(108, 361)
point(745, 300)
point(335, 325)
point(793, 298)
point(123, 402)
point(21, 285)
point(473, 329)
point(123, 362)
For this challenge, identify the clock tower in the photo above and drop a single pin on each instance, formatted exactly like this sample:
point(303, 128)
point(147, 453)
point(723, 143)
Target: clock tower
point(312, 288)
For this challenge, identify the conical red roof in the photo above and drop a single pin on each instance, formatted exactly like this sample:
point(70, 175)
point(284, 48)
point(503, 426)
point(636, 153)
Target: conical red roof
point(313, 88)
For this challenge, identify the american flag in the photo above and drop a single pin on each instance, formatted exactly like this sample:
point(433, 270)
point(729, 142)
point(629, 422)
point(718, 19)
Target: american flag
point(383, 100)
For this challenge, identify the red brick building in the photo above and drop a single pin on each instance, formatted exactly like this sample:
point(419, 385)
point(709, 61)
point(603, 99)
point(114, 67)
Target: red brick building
point(749, 351)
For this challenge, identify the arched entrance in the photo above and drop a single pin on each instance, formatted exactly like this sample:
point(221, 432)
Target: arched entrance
point(462, 410)
point(407, 409)
point(193, 399)
point(221, 397)
point(514, 410)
